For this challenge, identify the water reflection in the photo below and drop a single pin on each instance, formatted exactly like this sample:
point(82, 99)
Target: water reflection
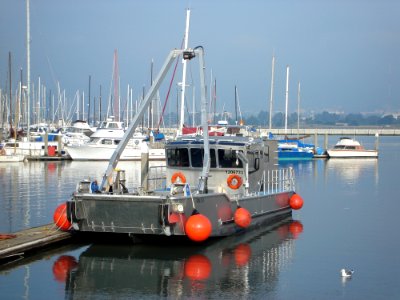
point(234, 265)
point(350, 170)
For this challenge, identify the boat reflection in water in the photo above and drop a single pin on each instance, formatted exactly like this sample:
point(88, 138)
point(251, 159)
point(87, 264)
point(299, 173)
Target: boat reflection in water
point(350, 170)
point(230, 265)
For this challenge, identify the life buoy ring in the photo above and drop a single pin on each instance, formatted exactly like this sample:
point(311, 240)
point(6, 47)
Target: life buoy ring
point(234, 181)
point(178, 177)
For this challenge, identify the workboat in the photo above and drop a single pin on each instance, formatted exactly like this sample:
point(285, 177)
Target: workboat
point(349, 148)
point(214, 186)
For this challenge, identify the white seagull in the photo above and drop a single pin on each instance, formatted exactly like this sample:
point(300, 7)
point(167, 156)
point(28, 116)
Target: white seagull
point(346, 273)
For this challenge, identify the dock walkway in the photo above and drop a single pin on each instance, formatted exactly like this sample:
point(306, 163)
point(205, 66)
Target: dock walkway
point(30, 239)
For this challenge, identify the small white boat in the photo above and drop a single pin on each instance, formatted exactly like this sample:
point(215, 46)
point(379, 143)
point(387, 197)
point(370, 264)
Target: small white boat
point(105, 140)
point(349, 148)
point(78, 133)
point(12, 158)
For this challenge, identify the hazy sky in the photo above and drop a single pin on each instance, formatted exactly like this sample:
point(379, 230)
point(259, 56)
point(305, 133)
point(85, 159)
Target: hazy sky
point(345, 53)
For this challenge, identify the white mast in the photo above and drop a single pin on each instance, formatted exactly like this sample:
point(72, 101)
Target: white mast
point(183, 87)
point(298, 108)
point(287, 97)
point(271, 97)
point(194, 112)
point(77, 104)
point(28, 65)
point(38, 102)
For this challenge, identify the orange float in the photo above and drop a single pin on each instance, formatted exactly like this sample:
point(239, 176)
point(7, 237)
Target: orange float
point(234, 181)
point(62, 266)
point(296, 228)
point(296, 202)
point(242, 254)
point(60, 217)
point(178, 177)
point(242, 217)
point(198, 267)
point(198, 227)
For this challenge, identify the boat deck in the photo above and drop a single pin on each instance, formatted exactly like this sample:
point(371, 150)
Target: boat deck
point(17, 244)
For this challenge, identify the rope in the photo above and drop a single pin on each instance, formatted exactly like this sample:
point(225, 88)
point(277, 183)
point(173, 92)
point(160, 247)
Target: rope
point(169, 89)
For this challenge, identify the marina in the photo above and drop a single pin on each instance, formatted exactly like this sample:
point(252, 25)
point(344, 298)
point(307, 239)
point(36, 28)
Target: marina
point(273, 261)
point(161, 186)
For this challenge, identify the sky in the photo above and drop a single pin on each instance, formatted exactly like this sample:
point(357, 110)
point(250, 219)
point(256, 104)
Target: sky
point(344, 53)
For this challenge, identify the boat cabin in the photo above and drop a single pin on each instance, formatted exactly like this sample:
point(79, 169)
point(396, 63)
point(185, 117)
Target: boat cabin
point(237, 164)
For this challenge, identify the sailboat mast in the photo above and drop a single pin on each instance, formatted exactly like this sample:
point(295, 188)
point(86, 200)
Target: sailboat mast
point(28, 66)
point(271, 97)
point(287, 97)
point(236, 117)
point(298, 108)
point(10, 88)
point(183, 87)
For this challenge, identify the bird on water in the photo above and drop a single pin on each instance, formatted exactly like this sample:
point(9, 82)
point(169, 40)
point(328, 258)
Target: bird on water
point(346, 273)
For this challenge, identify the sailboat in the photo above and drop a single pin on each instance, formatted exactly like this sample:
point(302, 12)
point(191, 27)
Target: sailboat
point(292, 149)
point(12, 156)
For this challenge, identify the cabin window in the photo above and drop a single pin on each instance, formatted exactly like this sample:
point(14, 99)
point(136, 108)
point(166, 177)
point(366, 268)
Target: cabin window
point(178, 157)
point(107, 142)
point(197, 155)
point(254, 161)
point(227, 158)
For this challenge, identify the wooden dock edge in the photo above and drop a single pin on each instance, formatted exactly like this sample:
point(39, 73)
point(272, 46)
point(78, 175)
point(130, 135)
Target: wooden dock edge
point(30, 240)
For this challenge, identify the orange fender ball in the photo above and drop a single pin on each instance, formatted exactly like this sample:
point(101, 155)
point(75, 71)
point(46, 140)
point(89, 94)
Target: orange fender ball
point(296, 202)
point(62, 266)
point(198, 267)
point(198, 228)
point(242, 254)
point(296, 228)
point(242, 217)
point(60, 217)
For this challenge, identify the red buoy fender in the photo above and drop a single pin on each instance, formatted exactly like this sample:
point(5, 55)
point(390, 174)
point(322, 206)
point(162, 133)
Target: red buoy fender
point(242, 254)
point(60, 217)
point(62, 266)
point(296, 202)
point(242, 217)
point(198, 227)
point(198, 267)
point(296, 228)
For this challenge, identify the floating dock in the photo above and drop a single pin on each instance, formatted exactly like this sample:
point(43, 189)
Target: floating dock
point(16, 245)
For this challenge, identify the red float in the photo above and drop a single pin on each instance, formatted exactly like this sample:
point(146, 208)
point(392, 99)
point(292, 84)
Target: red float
point(173, 218)
point(242, 254)
point(60, 217)
point(296, 202)
point(62, 266)
point(242, 217)
point(198, 227)
point(296, 228)
point(198, 267)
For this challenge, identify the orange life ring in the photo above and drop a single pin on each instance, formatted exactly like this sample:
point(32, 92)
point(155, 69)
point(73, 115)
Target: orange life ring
point(234, 181)
point(178, 177)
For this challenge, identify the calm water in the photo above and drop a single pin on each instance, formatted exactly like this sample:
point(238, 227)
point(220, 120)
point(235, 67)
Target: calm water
point(350, 219)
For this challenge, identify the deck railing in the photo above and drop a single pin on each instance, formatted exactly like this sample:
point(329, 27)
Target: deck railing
point(278, 181)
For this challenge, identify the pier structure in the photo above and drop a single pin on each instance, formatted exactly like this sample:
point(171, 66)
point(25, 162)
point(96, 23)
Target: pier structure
point(316, 132)
point(325, 132)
